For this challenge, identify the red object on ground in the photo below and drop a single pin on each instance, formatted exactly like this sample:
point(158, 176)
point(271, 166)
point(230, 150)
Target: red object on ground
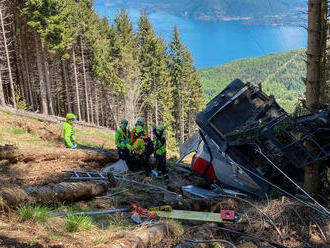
point(142, 212)
point(227, 215)
point(200, 165)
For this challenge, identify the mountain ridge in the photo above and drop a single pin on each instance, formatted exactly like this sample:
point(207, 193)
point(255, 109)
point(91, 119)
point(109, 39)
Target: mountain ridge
point(281, 75)
point(267, 12)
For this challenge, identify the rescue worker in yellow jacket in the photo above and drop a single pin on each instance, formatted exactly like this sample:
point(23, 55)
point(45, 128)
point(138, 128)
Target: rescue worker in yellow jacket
point(123, 140)
point(69, 133)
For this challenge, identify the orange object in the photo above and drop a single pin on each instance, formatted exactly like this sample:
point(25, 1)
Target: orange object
point(142, 212)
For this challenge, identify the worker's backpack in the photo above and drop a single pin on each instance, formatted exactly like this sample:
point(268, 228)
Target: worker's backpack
point(149, 146)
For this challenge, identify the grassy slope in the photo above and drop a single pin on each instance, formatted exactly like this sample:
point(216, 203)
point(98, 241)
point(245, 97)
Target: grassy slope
point(281, 75)
point(23, 131)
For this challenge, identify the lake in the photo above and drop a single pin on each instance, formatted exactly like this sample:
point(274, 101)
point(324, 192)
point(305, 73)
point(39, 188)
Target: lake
point(217, 43)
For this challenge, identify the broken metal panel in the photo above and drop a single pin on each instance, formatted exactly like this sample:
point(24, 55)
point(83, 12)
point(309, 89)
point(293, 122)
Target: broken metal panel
point(241, 120)
point(190, 146)
point(117, 168)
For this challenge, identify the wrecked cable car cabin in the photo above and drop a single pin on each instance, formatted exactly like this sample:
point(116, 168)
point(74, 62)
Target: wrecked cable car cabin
point(246, 141)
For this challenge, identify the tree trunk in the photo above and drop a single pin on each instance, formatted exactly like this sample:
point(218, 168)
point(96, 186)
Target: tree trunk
point(42, 84)
point(2, 96)
point(27, 154)
point(27, 64)
point(66, 87)
point(97, 115)
point(91, 103)
point(47, 80)
point(22, 60)
point(312, 181)
point(66, 191)
point(11, 81)
point(76, 83)
point(85, 80)
point(147, 236)
point(181, 119)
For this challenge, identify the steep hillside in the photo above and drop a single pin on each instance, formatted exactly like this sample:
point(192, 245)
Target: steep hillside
point(252, 11)
point(281, 75)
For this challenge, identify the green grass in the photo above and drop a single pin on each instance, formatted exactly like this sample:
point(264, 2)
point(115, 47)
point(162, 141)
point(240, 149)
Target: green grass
point(95, 133)
point(39, 214)
point(14, 131)
point(77, 223)
point(89, 144)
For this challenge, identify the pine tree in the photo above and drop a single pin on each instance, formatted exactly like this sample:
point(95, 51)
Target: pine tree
point(155, 79)
point(126, 62)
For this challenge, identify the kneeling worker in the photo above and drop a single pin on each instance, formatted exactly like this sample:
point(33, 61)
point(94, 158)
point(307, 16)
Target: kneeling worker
point(69, 133)
point(160, 152)
point(123, 141)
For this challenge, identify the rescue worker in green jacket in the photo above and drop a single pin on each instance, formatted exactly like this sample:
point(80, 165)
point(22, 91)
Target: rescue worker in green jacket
point(122, 139)
point(139, 123)
point(69, 133)
point(160, 152)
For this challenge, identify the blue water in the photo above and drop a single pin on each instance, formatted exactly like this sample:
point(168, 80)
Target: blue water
point(217, 43)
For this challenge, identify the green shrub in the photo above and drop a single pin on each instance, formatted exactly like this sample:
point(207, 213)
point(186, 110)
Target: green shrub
point(36, 213)
point(76, 223)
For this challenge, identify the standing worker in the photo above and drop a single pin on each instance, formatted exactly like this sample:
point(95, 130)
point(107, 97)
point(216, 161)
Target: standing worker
point(139, 123)
point(69, 133)
point(123, 141)
point(160, 152)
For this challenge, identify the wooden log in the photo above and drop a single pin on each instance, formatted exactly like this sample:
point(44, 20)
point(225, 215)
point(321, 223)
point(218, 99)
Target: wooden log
point(53, 193)
point(27, 154)
point(147, 236)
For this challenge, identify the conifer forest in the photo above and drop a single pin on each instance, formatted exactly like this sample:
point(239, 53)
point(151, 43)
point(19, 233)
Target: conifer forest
point(58, 56)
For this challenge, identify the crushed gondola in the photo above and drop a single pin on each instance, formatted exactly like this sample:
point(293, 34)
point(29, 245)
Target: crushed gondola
point(245, 139)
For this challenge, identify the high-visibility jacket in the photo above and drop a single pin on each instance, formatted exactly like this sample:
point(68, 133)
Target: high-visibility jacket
point(133, 134)
point(160, 145)
point(122, 138)
point(139, 146)
point(69, 133)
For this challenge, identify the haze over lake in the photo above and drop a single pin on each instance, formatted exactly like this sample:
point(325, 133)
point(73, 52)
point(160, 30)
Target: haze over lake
point(216, 43)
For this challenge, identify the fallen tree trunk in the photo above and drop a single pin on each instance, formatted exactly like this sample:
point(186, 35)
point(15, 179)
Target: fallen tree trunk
point(26, 154)
point(147, 236)
point(53, 193)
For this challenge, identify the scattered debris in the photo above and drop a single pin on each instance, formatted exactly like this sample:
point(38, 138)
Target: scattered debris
point(117, 168)
point(204, 193)
point(110, 211)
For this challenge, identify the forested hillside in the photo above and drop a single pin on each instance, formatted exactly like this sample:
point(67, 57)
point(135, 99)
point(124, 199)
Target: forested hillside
point(280, 74)
point(252, 11)
point(58, 56)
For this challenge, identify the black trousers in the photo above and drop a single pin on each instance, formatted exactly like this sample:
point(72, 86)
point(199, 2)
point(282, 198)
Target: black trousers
point(123, 153)
point(161, 164)
point(140, 162)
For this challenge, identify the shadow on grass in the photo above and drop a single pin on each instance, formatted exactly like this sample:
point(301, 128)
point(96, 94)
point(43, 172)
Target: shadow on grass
point(14, 242)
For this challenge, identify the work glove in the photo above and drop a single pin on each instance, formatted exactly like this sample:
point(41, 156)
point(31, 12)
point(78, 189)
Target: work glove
point(73, 146)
